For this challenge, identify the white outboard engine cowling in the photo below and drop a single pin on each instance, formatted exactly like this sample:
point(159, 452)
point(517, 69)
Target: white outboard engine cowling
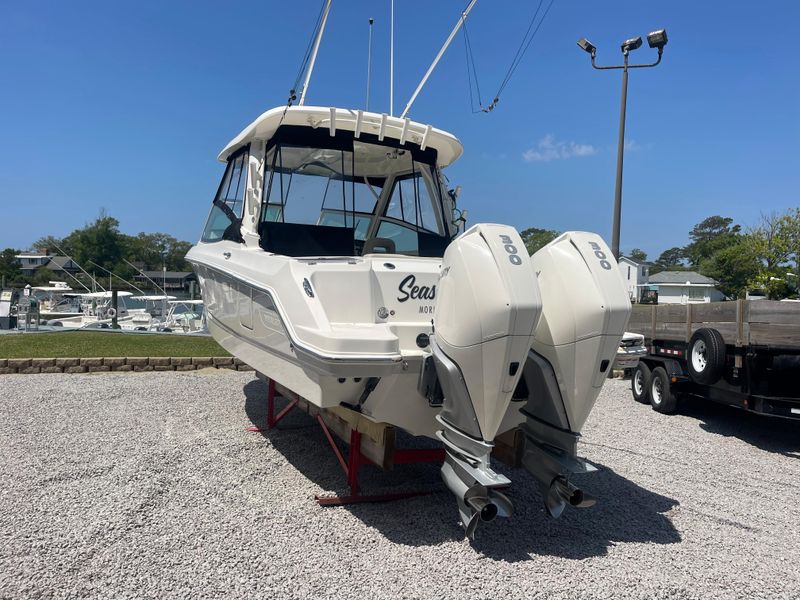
point(487, 309)
point(585, 312)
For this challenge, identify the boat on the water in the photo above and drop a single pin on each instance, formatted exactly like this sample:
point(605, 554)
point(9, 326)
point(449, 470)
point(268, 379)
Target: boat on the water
point(96, 310)
point(166, 314)
point(57, 300)
point(333, 263)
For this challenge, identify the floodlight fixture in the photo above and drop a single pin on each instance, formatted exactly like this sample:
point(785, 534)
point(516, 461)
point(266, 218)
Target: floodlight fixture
point(587, 46)
point(632, 44)
point(657, 39)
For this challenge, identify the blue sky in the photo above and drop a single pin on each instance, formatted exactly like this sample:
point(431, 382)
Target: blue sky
point(124, 106)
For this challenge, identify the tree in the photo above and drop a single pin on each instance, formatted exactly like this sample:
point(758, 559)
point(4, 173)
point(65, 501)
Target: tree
point(770, 240)
point(536, 238)
point(155, 249)
point(638, 255)
point(672, 259)
point(792, 226)
point(734, 268)
point(710, 236)
point(99, 242)
point(9, 267)
point(49, 244)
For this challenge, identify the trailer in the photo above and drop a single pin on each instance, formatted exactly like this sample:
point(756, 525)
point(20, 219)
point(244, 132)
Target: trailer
point(744, 353)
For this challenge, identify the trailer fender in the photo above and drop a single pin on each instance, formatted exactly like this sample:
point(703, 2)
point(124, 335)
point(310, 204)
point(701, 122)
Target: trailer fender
point(673, 367)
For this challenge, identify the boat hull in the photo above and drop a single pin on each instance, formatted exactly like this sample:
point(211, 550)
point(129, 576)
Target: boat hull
point(266, 325)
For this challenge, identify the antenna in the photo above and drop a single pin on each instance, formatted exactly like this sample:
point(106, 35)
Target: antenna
point(75, 262)
point(391, 61)
point(436, 60)
point(158, 287)
point(369, 59)
point(314, 52)
point(80, 283)
point(110, 274)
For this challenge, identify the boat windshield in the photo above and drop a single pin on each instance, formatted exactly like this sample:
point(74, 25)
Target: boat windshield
point(376, 191)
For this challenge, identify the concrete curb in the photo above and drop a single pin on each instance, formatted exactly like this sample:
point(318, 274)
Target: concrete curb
point(30, 366)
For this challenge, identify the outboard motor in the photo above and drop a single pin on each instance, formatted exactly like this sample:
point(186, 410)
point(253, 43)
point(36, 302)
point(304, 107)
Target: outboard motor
point(585, 312)
point(487, 309)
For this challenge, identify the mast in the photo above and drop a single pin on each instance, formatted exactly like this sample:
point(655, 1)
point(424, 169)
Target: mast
point(436, 60)
point(163, 291)
point(314, 52)
point(391, 60)
point(369, 60)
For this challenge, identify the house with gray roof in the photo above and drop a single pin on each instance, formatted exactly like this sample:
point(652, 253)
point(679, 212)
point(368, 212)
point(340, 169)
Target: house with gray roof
point(62, 263)
point(684, 287)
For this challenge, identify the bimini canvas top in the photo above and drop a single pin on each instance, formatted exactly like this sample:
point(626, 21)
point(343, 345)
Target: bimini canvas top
point(448, 147)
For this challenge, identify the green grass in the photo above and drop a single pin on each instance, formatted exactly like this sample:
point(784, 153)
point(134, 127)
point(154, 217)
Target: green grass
point(86, 344)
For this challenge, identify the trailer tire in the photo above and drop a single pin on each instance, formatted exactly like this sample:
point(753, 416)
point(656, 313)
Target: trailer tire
point(706, 356)
point(640, 383)
point(661, 397)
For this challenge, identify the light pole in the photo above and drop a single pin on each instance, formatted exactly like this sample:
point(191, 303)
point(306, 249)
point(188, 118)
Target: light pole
point(656, 39)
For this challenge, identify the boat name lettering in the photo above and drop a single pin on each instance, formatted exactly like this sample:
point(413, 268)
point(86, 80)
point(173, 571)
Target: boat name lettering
point(601, 255)
point(409, 289)
point(426, 309)
point(513, 254)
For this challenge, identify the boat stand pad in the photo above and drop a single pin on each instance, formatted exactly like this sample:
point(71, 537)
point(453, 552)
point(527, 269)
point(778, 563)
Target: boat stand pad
point(369, 443)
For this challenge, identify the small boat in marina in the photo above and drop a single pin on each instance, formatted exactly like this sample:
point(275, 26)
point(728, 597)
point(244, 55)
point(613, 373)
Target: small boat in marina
point(96, 310)
point(187, 316)
point(150, 315)
point(181, 315)
point(57, 300)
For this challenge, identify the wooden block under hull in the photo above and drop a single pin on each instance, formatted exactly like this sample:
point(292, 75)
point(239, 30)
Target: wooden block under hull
point(377, 439)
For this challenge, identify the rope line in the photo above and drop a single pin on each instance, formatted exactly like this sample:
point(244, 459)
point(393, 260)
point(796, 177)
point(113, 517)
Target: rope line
point(527, 40)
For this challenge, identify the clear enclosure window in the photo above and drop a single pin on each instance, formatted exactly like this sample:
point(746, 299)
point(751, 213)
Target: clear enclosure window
point(217, 225)
point(413, 202)
point(223, 222)
point(304, 180)
point(342, 188)
point(404, 238)
point(234, 184)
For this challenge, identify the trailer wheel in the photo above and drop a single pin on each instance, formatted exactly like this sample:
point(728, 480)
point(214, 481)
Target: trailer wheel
point(706, 356)
point(661, 397)
point(640, 383)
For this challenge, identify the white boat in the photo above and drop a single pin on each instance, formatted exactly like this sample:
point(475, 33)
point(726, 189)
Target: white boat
point(57, 301)
point(186, 316)
point(151, 314)
point(332, 263)
point(96, 310)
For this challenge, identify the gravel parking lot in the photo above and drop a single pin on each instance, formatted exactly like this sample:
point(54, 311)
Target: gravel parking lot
point(147, 485)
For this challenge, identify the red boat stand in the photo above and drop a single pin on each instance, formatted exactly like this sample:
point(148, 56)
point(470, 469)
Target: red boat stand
point(355, 459)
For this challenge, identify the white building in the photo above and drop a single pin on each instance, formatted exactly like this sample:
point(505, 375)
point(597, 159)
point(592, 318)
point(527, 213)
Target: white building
point(684, 287)
point(635, 275)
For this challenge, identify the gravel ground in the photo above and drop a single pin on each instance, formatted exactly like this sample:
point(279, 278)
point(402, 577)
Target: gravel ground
point(147, 485)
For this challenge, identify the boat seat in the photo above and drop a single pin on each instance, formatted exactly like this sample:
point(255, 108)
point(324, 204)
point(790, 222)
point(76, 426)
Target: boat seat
point(297, 239)
point(386, 244)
